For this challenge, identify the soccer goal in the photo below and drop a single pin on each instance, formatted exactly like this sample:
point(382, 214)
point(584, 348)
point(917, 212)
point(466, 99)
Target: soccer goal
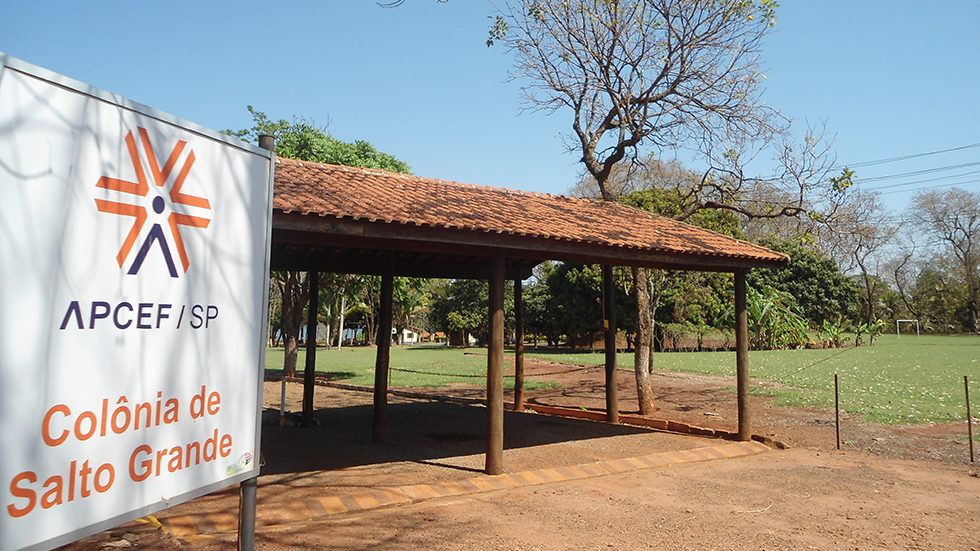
point(898, 324)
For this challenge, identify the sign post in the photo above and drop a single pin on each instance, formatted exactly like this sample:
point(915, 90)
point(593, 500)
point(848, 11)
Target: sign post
point(134, 255)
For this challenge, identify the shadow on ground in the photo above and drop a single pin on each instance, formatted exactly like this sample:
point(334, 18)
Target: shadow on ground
point(416, 432)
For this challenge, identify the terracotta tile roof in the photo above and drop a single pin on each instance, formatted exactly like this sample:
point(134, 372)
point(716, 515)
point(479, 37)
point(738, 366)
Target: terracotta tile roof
point(378, 196)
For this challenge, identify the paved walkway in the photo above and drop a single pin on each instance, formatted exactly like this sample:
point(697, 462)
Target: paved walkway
point(201, 526)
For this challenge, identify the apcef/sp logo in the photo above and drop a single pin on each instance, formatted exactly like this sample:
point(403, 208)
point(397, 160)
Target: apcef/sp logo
point(159, 203)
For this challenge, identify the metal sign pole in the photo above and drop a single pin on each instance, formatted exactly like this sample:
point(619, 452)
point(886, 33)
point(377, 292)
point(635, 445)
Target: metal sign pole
point(246, 514)
point(249, 487)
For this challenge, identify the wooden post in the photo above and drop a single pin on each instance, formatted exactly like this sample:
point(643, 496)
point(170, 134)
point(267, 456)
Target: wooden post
point(609, 324)
point(309, 373)
point(518, 345)
point(742, 357)
point(495, 371)
point(837, 408)
point(379, 432)
point(969, 417)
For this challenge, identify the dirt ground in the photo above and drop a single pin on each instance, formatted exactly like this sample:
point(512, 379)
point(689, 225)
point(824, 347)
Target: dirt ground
point(889, 487)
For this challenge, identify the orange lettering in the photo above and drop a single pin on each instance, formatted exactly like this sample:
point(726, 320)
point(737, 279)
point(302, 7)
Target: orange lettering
point(25, 493)
point(225, 445)
point(147, 464)
point(214, 403)
point(46, 425)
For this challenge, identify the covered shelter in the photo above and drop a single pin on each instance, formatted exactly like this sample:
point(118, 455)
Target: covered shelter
point(329, 218)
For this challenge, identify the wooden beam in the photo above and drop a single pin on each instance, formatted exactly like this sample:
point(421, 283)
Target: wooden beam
point(742, 357)
point(518, 345)
point(495, 371)
point(380, 426)
point(287, 257)
point(609, 324)
point(309, 372)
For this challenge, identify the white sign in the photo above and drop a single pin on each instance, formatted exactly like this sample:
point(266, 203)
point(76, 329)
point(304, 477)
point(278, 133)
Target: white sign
point(133, 280)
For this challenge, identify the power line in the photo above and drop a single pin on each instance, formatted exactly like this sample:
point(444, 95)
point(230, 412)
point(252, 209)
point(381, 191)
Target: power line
point(906, 157)
point(929, 187)
point(924, 181)
point(918, 172)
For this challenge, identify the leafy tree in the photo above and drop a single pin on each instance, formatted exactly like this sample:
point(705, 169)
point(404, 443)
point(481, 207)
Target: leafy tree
point(460, 307)
point(538, 317)
point(302, 139)
point(367, 305)
point(340, 299)
point(672, 202)
point(576, 291)
point(410, 301)
point(875, 301)
point(813, 281)
point(575, 302)
point(941, 295)
point(775, 320)
point(697, 300)
point(692, 298)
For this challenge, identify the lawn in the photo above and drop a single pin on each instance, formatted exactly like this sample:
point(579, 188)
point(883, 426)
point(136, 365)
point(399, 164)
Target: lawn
point(904, 379)
point(414, 366)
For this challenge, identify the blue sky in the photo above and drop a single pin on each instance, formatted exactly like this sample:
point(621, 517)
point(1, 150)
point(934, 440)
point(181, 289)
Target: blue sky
point(889, 79)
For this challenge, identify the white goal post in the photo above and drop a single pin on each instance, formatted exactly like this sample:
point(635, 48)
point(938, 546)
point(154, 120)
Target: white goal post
point(899, 322)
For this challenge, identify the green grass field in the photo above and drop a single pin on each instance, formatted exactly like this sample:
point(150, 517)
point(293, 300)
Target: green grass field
point(899, 380)
point(415, 366)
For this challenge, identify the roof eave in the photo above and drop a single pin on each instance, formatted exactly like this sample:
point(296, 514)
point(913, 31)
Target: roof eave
point(331, 230)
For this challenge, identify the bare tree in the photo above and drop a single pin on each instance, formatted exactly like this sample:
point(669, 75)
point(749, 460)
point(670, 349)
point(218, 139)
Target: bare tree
point(657, 73)
point(858, 241)
point(643, 173)
point(952, 219)
point(903, 270)
point(661, 74)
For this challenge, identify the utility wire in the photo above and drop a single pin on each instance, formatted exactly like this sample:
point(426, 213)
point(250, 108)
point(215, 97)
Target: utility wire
point(905, 157)
point(929, 187)
point(941, 178)
point(918, 173)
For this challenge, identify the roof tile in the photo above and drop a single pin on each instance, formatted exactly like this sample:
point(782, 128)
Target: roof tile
point(358, 193)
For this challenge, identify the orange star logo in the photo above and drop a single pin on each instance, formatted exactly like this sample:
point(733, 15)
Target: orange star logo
point(161, 201)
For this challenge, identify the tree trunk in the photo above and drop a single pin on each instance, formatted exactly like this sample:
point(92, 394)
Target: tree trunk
point(291, 347)
point(642, 357)
point(343, 309)
point(329, 323)
point(293, 300)
point(869, 290)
